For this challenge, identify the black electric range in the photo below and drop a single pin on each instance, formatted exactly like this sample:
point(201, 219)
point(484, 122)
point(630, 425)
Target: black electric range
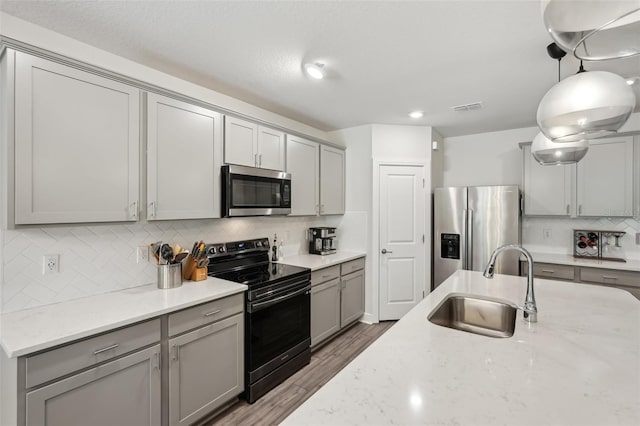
point(277, 311)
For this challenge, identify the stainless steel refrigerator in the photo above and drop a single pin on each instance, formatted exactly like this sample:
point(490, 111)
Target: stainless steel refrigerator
point(469, 223)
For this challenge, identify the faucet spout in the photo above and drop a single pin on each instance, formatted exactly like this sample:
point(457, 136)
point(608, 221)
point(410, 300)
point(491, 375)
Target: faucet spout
point(530, 308)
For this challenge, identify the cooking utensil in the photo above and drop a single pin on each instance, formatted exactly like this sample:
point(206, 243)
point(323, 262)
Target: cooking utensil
point(180, 257)
point(166, 253)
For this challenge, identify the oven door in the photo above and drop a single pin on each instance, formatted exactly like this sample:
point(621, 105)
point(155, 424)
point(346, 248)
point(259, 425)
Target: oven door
point(278, 328)
point(248, 191)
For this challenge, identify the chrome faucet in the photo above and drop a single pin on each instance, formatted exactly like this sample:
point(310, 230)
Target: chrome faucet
point(529, 308)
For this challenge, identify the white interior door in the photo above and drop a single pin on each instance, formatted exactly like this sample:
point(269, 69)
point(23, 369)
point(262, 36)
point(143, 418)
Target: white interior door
point(402, 275)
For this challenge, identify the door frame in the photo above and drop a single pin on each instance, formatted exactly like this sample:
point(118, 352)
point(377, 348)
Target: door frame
point(374, 317)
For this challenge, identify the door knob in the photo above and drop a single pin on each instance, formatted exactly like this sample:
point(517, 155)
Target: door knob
point(385, 251)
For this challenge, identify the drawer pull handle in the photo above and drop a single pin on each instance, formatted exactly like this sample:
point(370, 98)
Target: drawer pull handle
point(208, 314)
point(548, 271)
point(108, 348)
point(326, 276)
point(609, 277)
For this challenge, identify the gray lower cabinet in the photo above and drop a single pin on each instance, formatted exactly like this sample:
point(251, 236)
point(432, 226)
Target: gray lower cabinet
point(352, 298)
point(206, 369)
point(337, 298)
point(121, 392)
point(624, 280)
point(325, 310)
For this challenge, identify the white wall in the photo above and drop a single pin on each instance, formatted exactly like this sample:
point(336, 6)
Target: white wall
point(495, 159)
point(486, 158)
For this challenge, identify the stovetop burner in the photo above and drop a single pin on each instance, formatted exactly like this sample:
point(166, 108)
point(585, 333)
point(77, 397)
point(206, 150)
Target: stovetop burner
point(261, 274)
point(247, 262)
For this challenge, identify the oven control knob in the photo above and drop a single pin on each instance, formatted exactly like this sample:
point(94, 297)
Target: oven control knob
point(212, 251)
point(258, 243)
point(221, 249)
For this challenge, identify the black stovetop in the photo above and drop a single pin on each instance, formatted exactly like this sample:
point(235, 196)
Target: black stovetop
point(247, 262)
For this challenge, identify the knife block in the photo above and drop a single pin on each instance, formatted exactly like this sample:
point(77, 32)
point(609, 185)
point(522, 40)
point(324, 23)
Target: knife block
point(199, 274)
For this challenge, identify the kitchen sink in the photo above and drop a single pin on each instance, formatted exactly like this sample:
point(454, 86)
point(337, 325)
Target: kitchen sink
point(476, 314)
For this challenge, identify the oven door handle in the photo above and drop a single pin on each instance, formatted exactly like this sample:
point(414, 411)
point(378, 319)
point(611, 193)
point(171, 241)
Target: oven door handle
point(256, 306)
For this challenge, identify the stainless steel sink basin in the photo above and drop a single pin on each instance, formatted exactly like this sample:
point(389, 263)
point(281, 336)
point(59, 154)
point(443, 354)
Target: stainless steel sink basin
point(476, 314)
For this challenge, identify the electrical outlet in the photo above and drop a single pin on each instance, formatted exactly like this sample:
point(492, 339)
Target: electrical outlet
point(50, 264)
point(546, 234)
point(638, 238)
point(142, 254)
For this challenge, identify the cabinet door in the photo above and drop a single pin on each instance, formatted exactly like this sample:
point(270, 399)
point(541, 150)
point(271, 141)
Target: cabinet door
point(184, 156)
point(76, 145)
point(303, 162)
point(240, 142)
point(206, 369)
point(352, 298)
point(121, 392)
point(547, 189)
point(605, 178)
point(325, 310)
point(270, 148)
point(331, 180)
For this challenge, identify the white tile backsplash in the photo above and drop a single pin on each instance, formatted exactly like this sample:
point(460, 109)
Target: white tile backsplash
point(97, 259)
point(562, 233)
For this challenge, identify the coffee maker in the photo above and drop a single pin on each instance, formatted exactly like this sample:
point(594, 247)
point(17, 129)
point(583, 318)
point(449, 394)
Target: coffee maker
point(322, 240)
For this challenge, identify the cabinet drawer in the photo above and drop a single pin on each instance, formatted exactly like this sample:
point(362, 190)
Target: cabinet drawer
point(324, 275)
point(610, 276)
point(204, 314)
point(352, 266)
point(553, 271)
point(58, 362)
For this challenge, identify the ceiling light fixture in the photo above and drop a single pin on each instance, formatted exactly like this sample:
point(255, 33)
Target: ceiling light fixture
point(416, 114)
point(547, 152)
point(315, 70)
point(594, 30)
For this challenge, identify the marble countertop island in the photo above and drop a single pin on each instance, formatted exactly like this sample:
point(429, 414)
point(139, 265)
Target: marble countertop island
point(578, 365)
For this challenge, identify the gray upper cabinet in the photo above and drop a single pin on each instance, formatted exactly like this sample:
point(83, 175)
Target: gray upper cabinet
point(303, 162)
point(206, 369)
point(251, 145)
point(599, 185)
point(76, 145)
point(184, 156)
point(605, 178)
point(332, 180)
point(547, 189)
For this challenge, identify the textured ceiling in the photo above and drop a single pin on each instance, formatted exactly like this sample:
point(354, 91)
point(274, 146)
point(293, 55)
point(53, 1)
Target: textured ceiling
point(384, 58)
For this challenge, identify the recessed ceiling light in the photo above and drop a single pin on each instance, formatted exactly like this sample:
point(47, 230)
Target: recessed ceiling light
point(631, 80)
point(315, 70)
point(416, 114)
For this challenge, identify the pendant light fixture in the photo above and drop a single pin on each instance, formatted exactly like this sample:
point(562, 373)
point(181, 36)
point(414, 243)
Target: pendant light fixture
point(594, 30)
point(587, 105)
point(547, 152)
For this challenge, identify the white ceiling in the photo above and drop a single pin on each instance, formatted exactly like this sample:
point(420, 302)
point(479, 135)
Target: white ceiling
point(384, 58)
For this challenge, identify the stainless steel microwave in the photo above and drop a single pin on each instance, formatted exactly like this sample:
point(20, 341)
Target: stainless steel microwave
point(249, 191)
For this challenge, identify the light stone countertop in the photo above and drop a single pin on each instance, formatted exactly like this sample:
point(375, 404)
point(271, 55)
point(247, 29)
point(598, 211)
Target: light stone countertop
point(567, 259)
point(579, 365)
point(35, 329)
point(315, 261)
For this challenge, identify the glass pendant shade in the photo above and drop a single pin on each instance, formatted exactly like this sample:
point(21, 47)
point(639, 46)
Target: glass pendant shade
point(586, 105)
point(547, 152)
point(594, 30)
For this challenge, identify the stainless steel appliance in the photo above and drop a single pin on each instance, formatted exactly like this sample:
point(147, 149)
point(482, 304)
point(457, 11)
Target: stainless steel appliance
point(322, 240)
point(249, 191)
point(277, 311)
point(469, 223)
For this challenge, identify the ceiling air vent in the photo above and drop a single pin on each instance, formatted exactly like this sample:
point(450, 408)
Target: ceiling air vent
point(467, 107)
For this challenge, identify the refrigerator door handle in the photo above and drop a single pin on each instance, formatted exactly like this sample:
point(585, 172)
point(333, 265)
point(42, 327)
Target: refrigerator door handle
point(470, 240)
point(464, 241)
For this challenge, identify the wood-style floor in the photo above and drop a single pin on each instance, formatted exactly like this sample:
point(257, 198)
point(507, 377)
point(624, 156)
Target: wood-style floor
point(326, 362)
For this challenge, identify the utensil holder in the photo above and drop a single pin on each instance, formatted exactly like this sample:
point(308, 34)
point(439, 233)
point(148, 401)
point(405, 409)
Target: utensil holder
point(169, 276)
